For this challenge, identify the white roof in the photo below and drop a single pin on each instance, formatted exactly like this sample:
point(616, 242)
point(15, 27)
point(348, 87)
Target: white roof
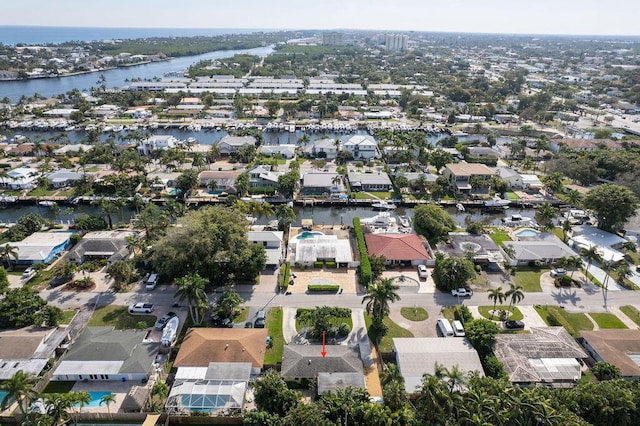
point(255, 236)
point(74, 368)
point(323, 247)
point(38, 246)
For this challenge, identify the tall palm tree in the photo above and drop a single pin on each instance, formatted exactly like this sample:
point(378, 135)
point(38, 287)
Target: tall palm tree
point(198, 161)
point(108, 399)
point(455, 376)
point(592, 255)
point(378, 297)
point(58, 406)
point(515, 294)
point(286, 215)
point(573, 197)
point(498, 296)
point(192, 289)
point(81, 399)
point(8, 251)
point(21, 388)
point(574, 262)
point(545, 215)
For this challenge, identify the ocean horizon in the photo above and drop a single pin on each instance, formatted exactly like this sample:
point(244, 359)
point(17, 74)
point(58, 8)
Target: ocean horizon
point(12, 35)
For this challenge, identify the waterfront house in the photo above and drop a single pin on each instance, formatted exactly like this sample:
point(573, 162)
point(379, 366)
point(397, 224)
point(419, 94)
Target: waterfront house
point(272, 241)
point(286, 151)
point(20, 178)
point(369, 181)
point(41, 247)
point(63, 178)
point(462, 176)
point(362, 147)
point(109, 245)
point(322, 148)
point(157, 142)
point(397, 249)
point(219, 181)
point(261, 176)
point(319, 183)
point(230, 144)
point(106, 354)
point(541, 248)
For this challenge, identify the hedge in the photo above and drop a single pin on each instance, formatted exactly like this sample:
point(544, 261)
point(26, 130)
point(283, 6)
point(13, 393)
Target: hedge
point(365, 266)
point(323, 288)
point(285, 273)
point(318, 264)
point(331, 264)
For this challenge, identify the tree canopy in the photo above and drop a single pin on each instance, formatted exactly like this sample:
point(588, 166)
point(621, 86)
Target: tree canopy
point(433, 222)
point(614, 205)
point(211, 242)
point(452, 272)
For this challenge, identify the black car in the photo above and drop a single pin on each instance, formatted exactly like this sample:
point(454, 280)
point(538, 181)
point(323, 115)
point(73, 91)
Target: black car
point(248, 324)
point(513, 324)
point(218, 321)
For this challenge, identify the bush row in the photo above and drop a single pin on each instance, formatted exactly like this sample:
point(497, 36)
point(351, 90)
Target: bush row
point(365, 266)
point(323, 288)
point(285, 274)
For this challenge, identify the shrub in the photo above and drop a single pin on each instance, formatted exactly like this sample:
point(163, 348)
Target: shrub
point(74, 239)
point(343, 330)
point(323, 288)
point(563, 281)
point(493, 367)
point(318, 264)
point(463, 314)
point(285, 275)
point(365, 266)
point(331, 265)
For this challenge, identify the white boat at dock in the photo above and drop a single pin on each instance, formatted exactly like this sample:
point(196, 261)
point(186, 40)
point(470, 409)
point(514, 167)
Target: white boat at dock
point(384, 205)
point(497, 202)
point(405, 221)
point(46, 203)
point(460, 207)
point(382, 222)
point(518, 220)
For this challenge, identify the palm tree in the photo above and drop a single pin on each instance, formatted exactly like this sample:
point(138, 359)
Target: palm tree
point(285, 215)
point(574, 262)
point(378, 297)
point(591, 254)
point(515, 294)
point(108, 399)
point(192, 288)
point(573, 197)
point(8, 251)
point(81, 398)
point(58, 405)
point(337, 181)
point(623, 270)
point(498, 296)
point(198, 161)
point(455, 376)
point(21, 388)
point(545, 214)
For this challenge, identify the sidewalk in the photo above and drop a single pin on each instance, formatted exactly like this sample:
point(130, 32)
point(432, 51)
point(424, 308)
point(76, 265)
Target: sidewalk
point(615, 310)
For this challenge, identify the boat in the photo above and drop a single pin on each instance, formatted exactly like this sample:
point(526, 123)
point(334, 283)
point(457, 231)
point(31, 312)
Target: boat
point(170, 332)
point(518, 220)
point(384, 205)
point(405, 221)
point(46, 203)
point(460, 207)
point(497, 202)
point(382, 222)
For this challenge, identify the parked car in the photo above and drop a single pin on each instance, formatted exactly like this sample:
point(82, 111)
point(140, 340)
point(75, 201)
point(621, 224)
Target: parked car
point(219, 321)
point(248, 324)
point(458, 328)
point(422, 271)
point(151, 281)
point(58, 281)
point(558, 272)
point(462, 292)
point(163, 320)
point(513, 324)
point(141, 308)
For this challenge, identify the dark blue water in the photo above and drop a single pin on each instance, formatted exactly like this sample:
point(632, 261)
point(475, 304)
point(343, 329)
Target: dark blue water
point(115, 78)
point(12, 35)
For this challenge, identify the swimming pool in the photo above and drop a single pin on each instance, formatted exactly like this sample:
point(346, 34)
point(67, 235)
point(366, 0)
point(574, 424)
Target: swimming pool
point(527, 232)
point(305, 235)
point(96, 396)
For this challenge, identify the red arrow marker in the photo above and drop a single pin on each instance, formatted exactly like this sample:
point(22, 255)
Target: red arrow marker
point(323, 353)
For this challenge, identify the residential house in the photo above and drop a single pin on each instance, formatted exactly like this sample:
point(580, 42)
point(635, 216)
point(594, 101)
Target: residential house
point(286, 151)
point(157, 142)
point(272, 241)
point(618, 347)
point(323, 148)
point(398, 249)
point(28, 349)
point(362, 147)
point(20, 178)
point(543, 248)
point(607, 244)
point(583, 144)
point(417, 356)
point(106, 354)
point(369, 181)
point(219, 181)
point(480, 247)
point(331, 382)
point(322, 248)
point(110, 245)
point(41, 247)
point(261, 176)
point(463, 176)
point(547, 356)
point(230, 144)
point(306, 361)
point(63, 178)
point(319, 183)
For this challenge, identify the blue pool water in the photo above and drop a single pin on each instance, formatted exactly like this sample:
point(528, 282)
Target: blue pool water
point(527, 233)
point(305, 235)
point(96, 396)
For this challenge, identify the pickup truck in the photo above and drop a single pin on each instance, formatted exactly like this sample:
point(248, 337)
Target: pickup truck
point(462, 292)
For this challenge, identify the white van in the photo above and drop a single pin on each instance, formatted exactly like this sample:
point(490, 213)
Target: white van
point(444, 327)
point(458, 329)
point(152, 281)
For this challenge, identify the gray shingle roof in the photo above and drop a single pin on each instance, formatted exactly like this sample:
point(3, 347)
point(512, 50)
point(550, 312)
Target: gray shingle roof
point(306, 361)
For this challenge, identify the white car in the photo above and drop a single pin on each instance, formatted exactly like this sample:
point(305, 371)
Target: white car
point(141, 308)
point(462, 292)
point(422, 271)
point(558, 272)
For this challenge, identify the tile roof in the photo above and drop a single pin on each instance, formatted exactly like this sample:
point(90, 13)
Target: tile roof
point(202, 346)
point(396, 246)
point(615, 347)
point(469, 169)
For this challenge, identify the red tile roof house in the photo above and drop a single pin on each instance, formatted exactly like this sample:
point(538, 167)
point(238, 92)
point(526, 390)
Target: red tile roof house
point(398, 249)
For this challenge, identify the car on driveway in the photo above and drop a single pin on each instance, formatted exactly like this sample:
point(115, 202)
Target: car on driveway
point(513, 324)
point(141, 308)
point(218, 321)
point(163, 320)
point(558, 272)
point(422, 271)
point(462, 292)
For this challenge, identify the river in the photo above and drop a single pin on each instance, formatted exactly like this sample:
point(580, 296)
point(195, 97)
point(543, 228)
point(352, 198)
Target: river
point(115, 78)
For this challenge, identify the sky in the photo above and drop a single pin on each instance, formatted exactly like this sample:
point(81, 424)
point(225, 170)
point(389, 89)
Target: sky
point(598, 17)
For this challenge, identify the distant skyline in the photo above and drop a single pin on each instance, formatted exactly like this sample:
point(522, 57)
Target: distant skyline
point(581, 17)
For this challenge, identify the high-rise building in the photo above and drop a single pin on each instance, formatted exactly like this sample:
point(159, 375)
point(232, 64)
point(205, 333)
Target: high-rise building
point(396, 42)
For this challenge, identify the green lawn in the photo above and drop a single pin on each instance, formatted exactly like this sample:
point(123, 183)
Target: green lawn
point(529, 278)
point(59, 387)
point(120, 318)
point(578, 322)
point(632, 313)
point(516, 315)
point(414, 314)
point(334, 321)
point(499, 237)
point(448, 312)
point(273, 354)
point(512, 195)
point(241, 315)
point(394, 330)
point(40, 192)
point(606, 320)
point(372, 195)
point(67, 316)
